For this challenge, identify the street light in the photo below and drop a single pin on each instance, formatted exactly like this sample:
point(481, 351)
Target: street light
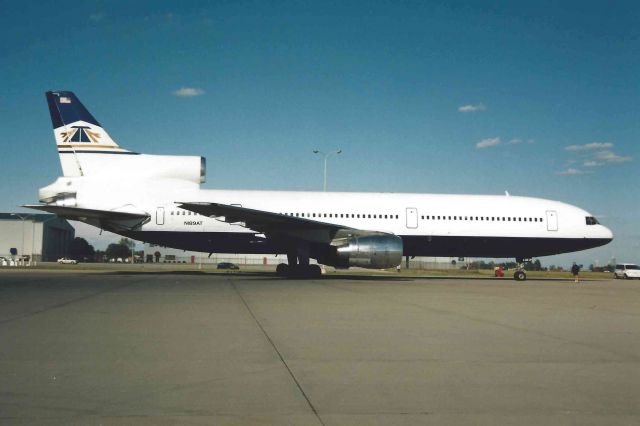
point(23, 218)
point(326, 155)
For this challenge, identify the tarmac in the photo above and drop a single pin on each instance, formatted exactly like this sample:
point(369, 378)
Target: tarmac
point(237, 349)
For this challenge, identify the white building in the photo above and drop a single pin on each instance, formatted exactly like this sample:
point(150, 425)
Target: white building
point(171, 255)
point(42, 237)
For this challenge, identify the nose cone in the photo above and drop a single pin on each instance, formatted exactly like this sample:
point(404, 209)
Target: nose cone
point(607, 233)
point(602, 234)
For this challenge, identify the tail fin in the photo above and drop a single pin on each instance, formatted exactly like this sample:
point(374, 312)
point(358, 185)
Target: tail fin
point(77, 132)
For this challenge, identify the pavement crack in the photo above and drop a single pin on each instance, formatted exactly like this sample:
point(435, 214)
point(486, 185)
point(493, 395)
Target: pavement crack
point(61, 304)
point(275, 348)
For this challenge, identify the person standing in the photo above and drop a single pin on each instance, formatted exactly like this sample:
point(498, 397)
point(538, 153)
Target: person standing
point(575, 270)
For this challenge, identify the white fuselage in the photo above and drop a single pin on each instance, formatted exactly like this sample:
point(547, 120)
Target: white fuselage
point(430, 224)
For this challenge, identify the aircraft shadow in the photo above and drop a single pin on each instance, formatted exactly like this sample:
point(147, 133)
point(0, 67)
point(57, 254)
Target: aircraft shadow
point(330, 277)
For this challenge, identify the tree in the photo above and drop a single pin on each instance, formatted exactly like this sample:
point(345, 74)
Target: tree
point(81, 249)
point(127, 243)
point(115, 251)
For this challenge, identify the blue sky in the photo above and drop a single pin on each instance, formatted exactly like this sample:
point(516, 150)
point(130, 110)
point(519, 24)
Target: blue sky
point(537, 98)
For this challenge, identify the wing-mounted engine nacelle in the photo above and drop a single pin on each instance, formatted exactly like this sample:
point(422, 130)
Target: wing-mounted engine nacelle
point(369, 251)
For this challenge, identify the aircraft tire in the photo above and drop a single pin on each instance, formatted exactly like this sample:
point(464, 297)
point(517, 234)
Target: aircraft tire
point(282, 270)
point(520, 276)
point(315, 271)
point(301, 272)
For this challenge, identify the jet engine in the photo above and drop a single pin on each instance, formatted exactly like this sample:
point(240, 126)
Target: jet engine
point(369, 251)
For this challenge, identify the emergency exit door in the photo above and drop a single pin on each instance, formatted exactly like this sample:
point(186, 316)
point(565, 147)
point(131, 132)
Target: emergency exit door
point(552, 220)
point(412, 217)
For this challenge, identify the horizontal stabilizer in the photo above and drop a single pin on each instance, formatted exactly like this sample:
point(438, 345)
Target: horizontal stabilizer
point(78, 213)
point(110, 220)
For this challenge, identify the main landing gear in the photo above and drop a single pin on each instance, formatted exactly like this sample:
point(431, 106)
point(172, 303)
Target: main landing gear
point(520, 274)
point(298, 266)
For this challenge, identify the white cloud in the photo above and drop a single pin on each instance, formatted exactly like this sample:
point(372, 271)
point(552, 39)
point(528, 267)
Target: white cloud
point(610, 157)
point(472, 108)
point(515, 141)
point(591, 163)
point(188, 92)
point(589, 146)
point(571, 171)
point(485, 143)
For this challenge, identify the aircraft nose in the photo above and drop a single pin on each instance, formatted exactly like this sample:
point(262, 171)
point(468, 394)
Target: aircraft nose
point(606, 233)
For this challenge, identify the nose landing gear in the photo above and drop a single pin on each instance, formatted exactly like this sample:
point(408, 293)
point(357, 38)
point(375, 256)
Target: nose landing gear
point(520, 274)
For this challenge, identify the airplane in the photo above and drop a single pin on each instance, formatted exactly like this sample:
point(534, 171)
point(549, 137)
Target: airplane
point(158, 199)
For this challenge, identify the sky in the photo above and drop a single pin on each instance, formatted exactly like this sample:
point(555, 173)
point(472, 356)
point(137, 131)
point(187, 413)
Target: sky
point(538, 98)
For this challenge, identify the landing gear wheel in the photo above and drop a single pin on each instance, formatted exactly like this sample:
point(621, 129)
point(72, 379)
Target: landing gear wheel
point(520, 276)
point(282, 270)
point(315, 271)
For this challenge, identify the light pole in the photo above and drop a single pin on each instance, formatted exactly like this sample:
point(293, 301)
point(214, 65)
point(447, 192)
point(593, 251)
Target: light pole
point(22, 218)
point(326, 155)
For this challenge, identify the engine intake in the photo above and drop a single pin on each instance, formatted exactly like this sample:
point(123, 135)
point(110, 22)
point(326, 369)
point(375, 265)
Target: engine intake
point(372, 251)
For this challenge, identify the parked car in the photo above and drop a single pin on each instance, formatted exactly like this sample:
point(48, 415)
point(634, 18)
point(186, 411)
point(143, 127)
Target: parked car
point(67, 261)
point(227, 265)
point(627, 271)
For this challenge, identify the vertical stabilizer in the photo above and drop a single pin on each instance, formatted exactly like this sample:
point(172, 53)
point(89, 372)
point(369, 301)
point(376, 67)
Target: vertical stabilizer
point(77, 132)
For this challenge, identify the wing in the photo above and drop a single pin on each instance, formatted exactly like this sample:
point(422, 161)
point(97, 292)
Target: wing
point(276, 224)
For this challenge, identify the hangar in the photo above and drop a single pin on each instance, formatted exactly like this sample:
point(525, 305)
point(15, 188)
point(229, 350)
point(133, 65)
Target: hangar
point(41, 237)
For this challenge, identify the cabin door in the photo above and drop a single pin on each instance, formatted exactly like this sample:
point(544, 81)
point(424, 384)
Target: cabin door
point(552, 220)
point(160, 216)
point(412, 217)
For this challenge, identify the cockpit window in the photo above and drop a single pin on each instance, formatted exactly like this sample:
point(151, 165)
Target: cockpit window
point(592, 220)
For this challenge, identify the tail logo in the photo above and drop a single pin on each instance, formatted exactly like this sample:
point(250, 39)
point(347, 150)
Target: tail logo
point(80, 134)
